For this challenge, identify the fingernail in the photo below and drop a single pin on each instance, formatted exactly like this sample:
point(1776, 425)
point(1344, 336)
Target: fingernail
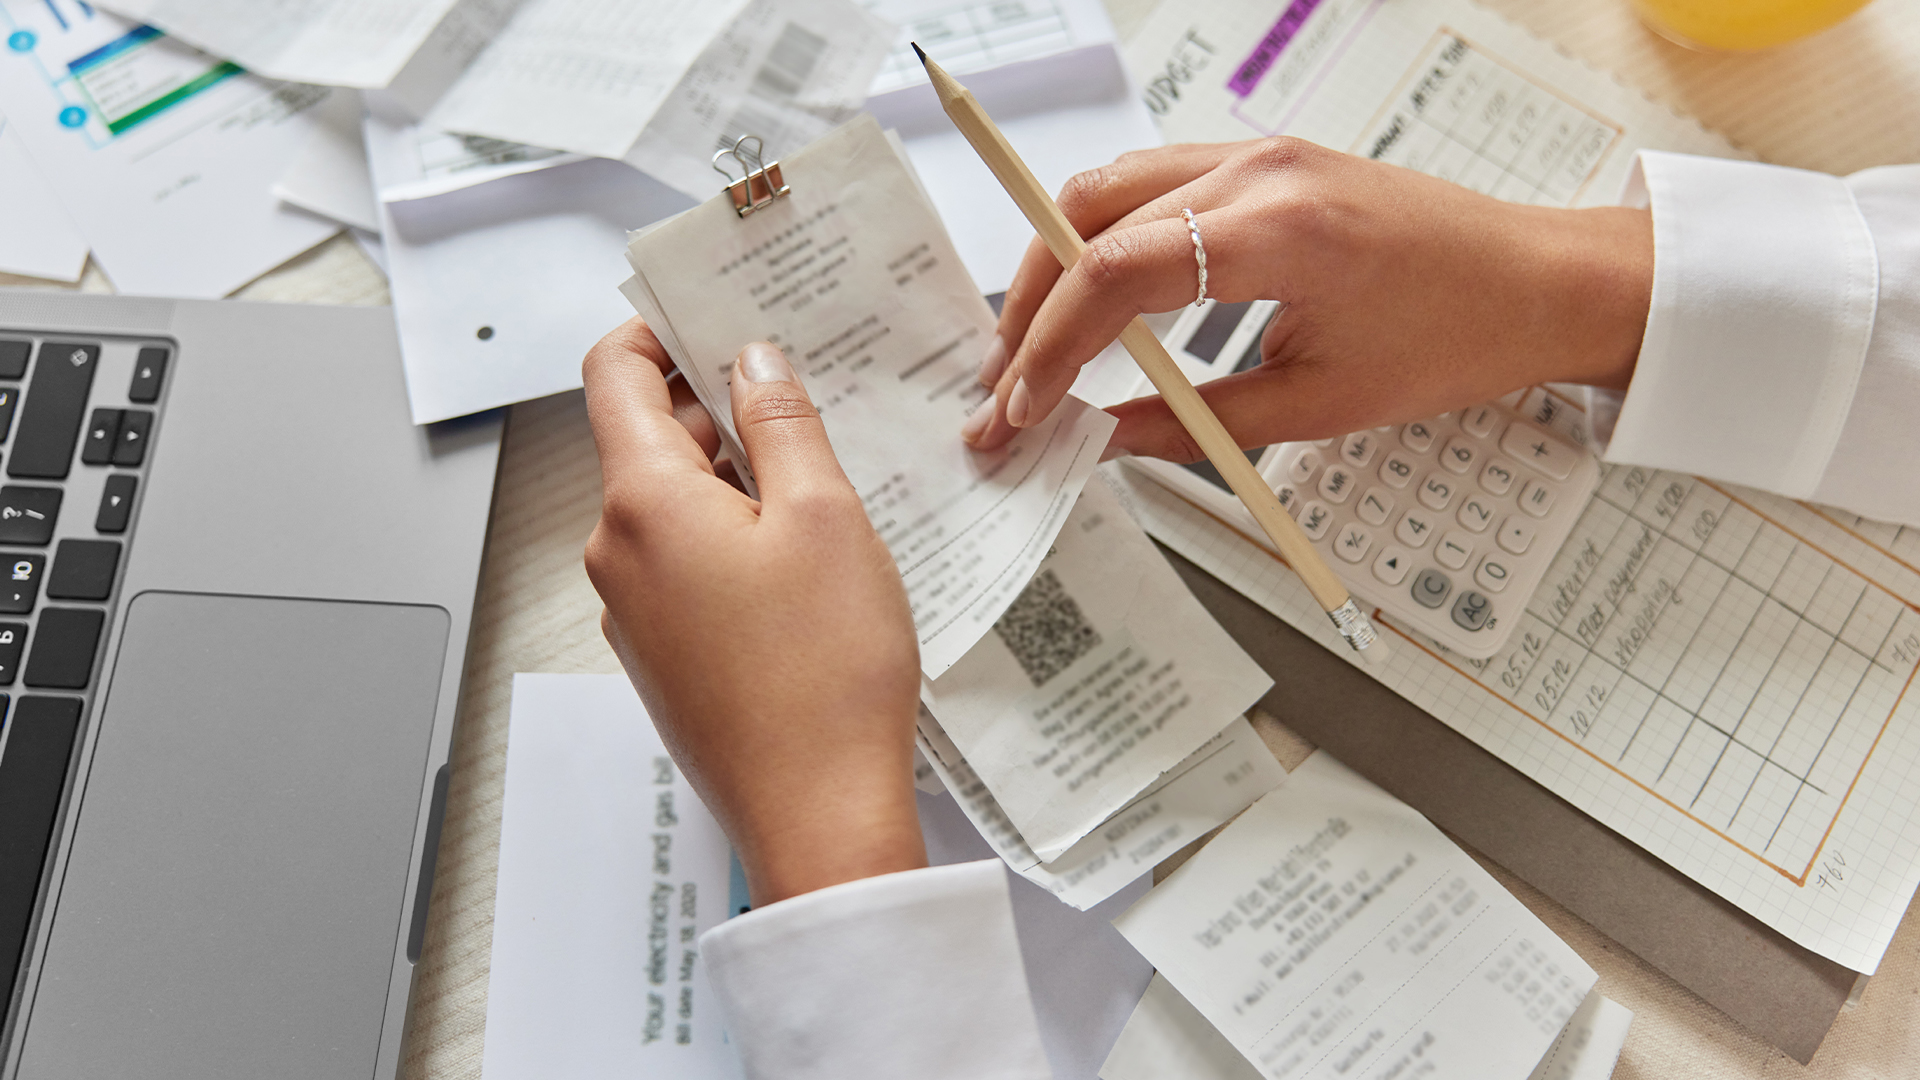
point(977, 421)
point(761, 363)
point(995, 362)
point(1112, 452)
point(1018, 403)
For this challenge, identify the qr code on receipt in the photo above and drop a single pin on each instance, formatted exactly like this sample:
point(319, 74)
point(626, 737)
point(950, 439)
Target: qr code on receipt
point(1045, 629)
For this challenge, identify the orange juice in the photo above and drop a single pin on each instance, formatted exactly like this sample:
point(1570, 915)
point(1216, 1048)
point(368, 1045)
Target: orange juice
point(1742, 25)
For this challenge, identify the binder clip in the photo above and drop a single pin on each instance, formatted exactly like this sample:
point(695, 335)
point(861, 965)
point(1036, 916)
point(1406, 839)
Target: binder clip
point(759, 184)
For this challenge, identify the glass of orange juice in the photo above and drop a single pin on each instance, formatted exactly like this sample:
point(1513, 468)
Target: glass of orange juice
point(1742, 25)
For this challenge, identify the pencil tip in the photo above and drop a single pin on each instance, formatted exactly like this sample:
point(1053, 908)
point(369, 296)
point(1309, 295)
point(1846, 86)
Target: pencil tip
point(919, 52)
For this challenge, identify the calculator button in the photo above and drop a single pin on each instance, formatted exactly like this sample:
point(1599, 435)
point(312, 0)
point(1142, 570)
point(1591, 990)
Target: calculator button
point(1397, 470)
point(1540, 450)
point(1430, 589)
point(1302, 468)
point(1472, 611)
point(1515, 535)
point(1337, 484)
point(1417, 436)
point(1497, 477)
point(1315, 518)
point(1375, 506)
point(1478, 422)
point(1459, 456)
point(1537, 499)
point(1289, 498)
point(1353, 543)
point(1415, 529)
point(1436, 492)
point(1454, 550)
point(1476, 514)
point(1359, 449)
point(1392, 565)
point(1492, 574)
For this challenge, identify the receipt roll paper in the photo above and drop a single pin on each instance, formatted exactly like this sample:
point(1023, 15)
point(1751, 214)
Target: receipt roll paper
point(852, 274)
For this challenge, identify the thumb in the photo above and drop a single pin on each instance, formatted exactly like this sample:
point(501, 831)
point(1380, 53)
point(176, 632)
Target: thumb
point(780, 429)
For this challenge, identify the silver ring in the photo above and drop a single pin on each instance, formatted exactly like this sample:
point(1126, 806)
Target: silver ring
point(1199, 255)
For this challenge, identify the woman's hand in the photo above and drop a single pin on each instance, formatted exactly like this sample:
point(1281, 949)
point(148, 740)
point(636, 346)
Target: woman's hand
point(771, 641)
point(1405, 295)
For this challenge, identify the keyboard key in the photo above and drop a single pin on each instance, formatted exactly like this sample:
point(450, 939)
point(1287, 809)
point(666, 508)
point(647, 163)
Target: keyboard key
point(33, 785)
point(1289, 498)
point(1301, 469)
point(1475, 422)
point(1540, 450)
point(131, 449)
point(50, 417)
point(103, 433)
point(1454, 550)
point(83, 570)
point(20, 588)
point(1436, 491)
point(116, 504)
point(1459, 456)
point(1472, 611)
point(1492, 574)
point(1353, 543)
point(148, 371)
point(9, 397)
point(1375, 506)
point(1537, 499)
point(1476, 514)
point(1417, 436)
point(1396, 471)
point(1415, 529)
point(1392, 565)
point(1337, 484)
point(1315, 518)
point(1359, 449)
point(1515, 535)
point(1430, 589)
point(1497, 477)
point(13, 641)
point(63, 647)
point(13, 358)
point(27, 514)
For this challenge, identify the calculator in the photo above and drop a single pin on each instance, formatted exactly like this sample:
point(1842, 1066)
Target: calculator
point(1447, 524)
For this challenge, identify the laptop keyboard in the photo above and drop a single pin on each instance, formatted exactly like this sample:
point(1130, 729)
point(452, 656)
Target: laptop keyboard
point(75, 419)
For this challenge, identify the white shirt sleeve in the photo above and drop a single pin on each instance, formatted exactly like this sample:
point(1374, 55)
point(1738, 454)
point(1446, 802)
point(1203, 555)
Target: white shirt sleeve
point(1782, 348)
point(916, 974)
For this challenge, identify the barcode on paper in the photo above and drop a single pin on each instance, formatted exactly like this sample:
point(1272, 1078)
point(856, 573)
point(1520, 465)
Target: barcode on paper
point(1045, 629)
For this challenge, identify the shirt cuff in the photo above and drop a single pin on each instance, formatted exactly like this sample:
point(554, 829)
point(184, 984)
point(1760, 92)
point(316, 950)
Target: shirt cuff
point(910, 974)
point(1764, 287)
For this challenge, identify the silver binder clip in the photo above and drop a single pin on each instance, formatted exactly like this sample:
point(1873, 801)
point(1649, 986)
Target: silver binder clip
point(759, 184)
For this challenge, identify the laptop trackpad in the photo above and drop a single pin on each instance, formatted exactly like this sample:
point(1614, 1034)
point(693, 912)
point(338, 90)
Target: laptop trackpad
point(232, 905)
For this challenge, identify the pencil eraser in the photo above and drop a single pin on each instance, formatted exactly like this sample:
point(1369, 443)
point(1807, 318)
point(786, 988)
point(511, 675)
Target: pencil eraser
point(1375, 655)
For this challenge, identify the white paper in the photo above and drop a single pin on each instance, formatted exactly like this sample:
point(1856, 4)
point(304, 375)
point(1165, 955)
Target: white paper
point(853, 275)
point(1167, 1037)
point(610, 870)
point(571, 988)
point(38, 241)
point(1065, 114)
point(362, 43)
point(1332, 931)
point(788, 71)
point(975, 35)
point(1214, 783)
point(328, 176)
point(580, 75)
point(1102, 675)
point(526, 258)
point(163, 157)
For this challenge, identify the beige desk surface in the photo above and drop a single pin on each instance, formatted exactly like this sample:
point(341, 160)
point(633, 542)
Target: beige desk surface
point(1846, 100)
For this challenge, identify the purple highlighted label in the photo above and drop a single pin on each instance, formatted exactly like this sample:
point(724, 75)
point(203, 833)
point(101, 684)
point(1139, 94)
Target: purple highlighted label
point(1248, 74)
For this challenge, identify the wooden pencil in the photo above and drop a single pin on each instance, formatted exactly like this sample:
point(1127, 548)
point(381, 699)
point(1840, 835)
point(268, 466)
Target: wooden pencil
point(1187, 404)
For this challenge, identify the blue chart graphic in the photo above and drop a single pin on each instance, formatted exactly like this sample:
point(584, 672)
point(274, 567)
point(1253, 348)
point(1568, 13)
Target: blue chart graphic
point(73, 116)
point(22, 41)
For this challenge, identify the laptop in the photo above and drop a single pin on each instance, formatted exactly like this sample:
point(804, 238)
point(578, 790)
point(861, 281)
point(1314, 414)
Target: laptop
point(236, 584)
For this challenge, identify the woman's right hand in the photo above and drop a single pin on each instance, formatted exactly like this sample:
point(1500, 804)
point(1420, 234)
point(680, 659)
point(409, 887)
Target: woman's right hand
point(1405, 295)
